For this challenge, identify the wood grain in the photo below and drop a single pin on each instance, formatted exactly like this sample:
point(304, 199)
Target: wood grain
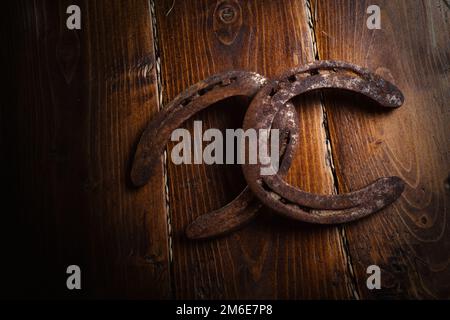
point(272, 257)
point(79, 102)
point(410, 241)
point(75, 103)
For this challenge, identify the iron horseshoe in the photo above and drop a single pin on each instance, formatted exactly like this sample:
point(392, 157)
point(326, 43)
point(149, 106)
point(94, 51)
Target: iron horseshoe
point(292, 202)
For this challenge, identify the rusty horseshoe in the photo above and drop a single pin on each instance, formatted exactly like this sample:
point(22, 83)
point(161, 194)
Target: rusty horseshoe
point(198, 97)
point(271, 108)
point(292, 202)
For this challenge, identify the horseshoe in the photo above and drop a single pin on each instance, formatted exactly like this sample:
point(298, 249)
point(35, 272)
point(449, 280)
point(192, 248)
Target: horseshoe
point(292, 202)
point(245, 206)
point(198, 97)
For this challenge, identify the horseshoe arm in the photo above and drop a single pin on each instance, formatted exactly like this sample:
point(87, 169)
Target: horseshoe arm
point(384, 192)
point(198, 97)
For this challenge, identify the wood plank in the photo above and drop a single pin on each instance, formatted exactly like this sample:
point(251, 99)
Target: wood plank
point(80, 101)
point(410, 241)
point(273, 257)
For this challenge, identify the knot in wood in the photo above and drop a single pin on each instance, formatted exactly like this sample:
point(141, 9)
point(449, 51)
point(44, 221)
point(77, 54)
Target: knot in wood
point(227, 14)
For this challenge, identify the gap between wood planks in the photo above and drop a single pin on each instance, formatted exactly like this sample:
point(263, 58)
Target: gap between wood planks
point(352, 282)
point(165, 171)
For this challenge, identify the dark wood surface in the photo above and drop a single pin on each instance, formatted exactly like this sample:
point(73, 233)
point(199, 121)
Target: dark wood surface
point(80, 101)
point(410, 241)
point(76, 102)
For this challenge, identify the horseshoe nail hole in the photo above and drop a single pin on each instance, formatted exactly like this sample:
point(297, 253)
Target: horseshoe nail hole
point(272, 92)
point(206, 89)
point(292, 78)
point(227, 14)
point(202, 91)
point(186, 101)
point(331, 70)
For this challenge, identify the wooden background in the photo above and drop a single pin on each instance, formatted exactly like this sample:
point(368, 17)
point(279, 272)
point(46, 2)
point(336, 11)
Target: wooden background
point(75, 103)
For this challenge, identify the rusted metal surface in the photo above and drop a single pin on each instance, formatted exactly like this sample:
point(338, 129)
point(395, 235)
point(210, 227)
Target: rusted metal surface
point(293, 202)
point(198, 97)
point(245, 206)
point(271, 109)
